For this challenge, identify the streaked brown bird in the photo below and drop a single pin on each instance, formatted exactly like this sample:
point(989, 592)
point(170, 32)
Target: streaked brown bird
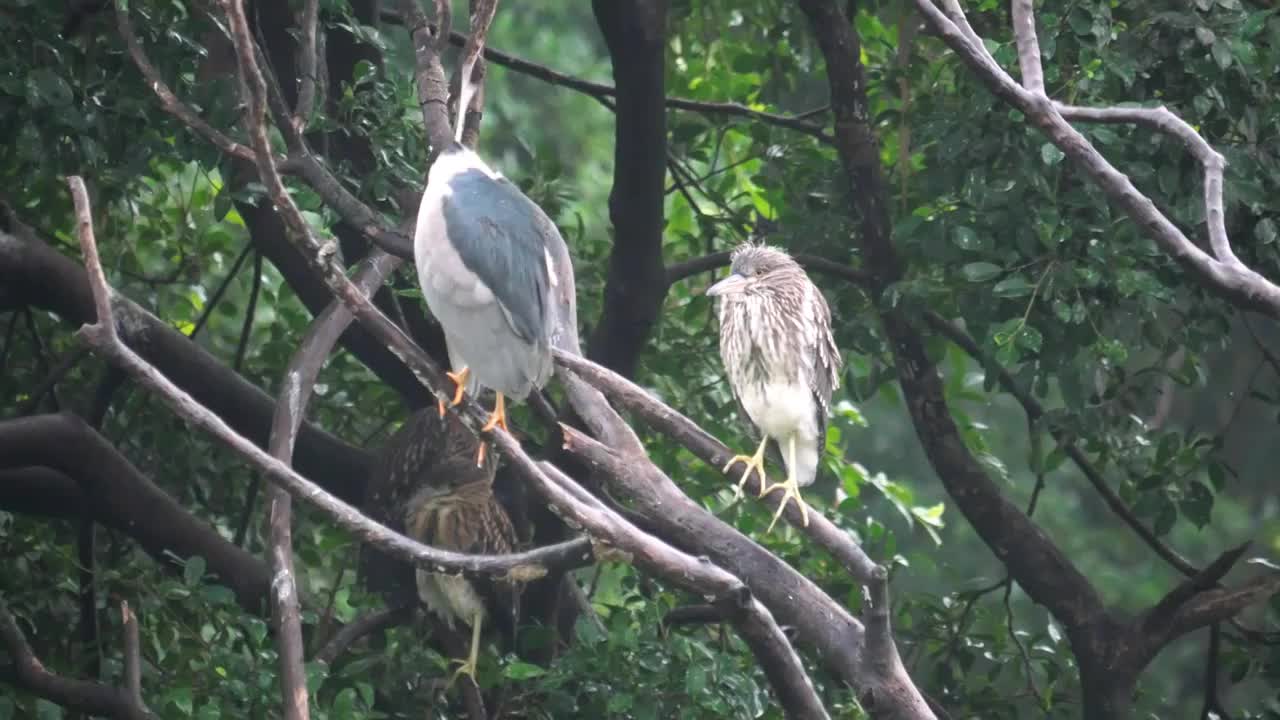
point(458, 511)
point(782, 362)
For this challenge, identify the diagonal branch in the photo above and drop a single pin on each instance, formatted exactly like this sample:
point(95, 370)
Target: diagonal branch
point(1221, 273)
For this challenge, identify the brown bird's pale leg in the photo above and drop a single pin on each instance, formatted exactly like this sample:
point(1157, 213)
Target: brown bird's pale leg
point(498, 418)
point(753, 462)
point(469, 665)
point(790, 488)
point(459, 380)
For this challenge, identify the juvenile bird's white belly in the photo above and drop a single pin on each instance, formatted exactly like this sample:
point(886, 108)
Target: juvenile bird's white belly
point(780, 408)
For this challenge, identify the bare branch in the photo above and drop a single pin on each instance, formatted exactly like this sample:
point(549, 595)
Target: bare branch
point(361, 627)
point(168, 101)
point(1024, 31)
point(132, 656)
point(1224, 274)
point(295, 393)
point(307, 68)
point(752, 620)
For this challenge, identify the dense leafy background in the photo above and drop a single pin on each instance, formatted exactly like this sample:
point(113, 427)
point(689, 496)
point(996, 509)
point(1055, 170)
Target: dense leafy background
point(1165, 387)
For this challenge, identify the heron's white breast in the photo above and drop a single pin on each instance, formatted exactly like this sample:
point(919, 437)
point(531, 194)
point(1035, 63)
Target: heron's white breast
point(780, 408)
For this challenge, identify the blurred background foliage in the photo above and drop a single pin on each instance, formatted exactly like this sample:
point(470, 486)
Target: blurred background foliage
point(1173, 395)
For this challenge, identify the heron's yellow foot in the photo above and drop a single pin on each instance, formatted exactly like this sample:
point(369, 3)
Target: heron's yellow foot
point(498, 418)
point(753, 462)
point(459, 381)
point(466, 667)
point(790, 491)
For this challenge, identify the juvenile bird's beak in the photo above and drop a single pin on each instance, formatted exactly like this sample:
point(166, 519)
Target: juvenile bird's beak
point(728, 286)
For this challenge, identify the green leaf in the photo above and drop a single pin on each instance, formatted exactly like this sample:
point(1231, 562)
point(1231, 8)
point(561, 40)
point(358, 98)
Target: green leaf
point(1013, 286)
point(980, 271)
point(1265, 231)
point(193, 570)
point(523, 671)
point(1197, 503)
point(966, 238)
point(1050, 154)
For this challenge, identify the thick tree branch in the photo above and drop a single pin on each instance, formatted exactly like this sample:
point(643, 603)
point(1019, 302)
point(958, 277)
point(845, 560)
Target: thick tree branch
point(46, 278)
point(57, 464)
point(635, 31)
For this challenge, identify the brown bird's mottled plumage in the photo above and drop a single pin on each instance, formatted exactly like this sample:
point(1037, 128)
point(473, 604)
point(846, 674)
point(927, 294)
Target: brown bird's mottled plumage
point(459, 512)
point(782, 361)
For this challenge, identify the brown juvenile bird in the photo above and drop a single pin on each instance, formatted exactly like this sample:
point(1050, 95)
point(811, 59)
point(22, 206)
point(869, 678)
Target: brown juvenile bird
point(782, 362)
point(457, 511)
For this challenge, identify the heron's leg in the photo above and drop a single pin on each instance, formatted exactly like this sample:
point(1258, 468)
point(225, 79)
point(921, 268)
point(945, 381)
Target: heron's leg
point(498, 418)
point(753, 462)
point(469, 665)
point(459, 381)
point(790, 488)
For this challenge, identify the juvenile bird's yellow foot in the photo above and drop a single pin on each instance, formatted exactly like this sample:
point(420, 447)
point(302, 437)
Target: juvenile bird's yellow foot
point(790, 490)
point(465, 667)
point(753, 462)
point(459, 381)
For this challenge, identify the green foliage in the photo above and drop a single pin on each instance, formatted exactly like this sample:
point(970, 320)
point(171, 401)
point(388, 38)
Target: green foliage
point(1159, 384)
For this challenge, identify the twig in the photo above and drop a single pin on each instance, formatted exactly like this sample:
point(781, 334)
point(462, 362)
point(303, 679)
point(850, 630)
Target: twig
point(246, 329)
point(69, 360)
point(168, 101)
point(361, 627)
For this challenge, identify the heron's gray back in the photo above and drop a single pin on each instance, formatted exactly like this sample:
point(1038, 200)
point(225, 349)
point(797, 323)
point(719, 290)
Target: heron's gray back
point(482, 251)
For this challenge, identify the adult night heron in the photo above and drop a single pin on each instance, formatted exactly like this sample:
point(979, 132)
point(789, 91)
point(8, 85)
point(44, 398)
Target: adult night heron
point(495, 272)
point(782, 361)
point(456, 511)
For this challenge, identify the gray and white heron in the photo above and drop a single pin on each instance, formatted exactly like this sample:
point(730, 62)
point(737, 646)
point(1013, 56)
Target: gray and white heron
point(782, 362)
point(495, 273)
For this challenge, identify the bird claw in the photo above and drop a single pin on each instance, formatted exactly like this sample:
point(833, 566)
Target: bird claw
point(752, 463)
point(467, 667)
point(459, 380)
point(790, 491)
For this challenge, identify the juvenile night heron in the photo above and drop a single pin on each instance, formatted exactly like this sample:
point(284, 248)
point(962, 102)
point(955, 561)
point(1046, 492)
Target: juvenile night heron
point(782, 362)
point(456, 511)
point(495, 272)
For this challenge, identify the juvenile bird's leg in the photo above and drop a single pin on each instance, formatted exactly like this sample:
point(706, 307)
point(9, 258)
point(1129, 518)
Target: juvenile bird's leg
point(469, 665)
point(790, 488)
point(753, 462)
point(459, 381)
point(498, 418)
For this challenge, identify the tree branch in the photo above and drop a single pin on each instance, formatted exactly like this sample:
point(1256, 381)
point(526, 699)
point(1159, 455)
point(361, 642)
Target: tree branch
point(635, 32)
point(1224, 275)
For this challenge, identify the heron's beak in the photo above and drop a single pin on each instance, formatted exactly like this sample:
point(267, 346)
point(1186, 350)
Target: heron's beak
point(728, 286)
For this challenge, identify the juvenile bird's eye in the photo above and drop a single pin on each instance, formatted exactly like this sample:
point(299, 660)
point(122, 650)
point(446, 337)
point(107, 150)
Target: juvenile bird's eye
point(759, 272)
